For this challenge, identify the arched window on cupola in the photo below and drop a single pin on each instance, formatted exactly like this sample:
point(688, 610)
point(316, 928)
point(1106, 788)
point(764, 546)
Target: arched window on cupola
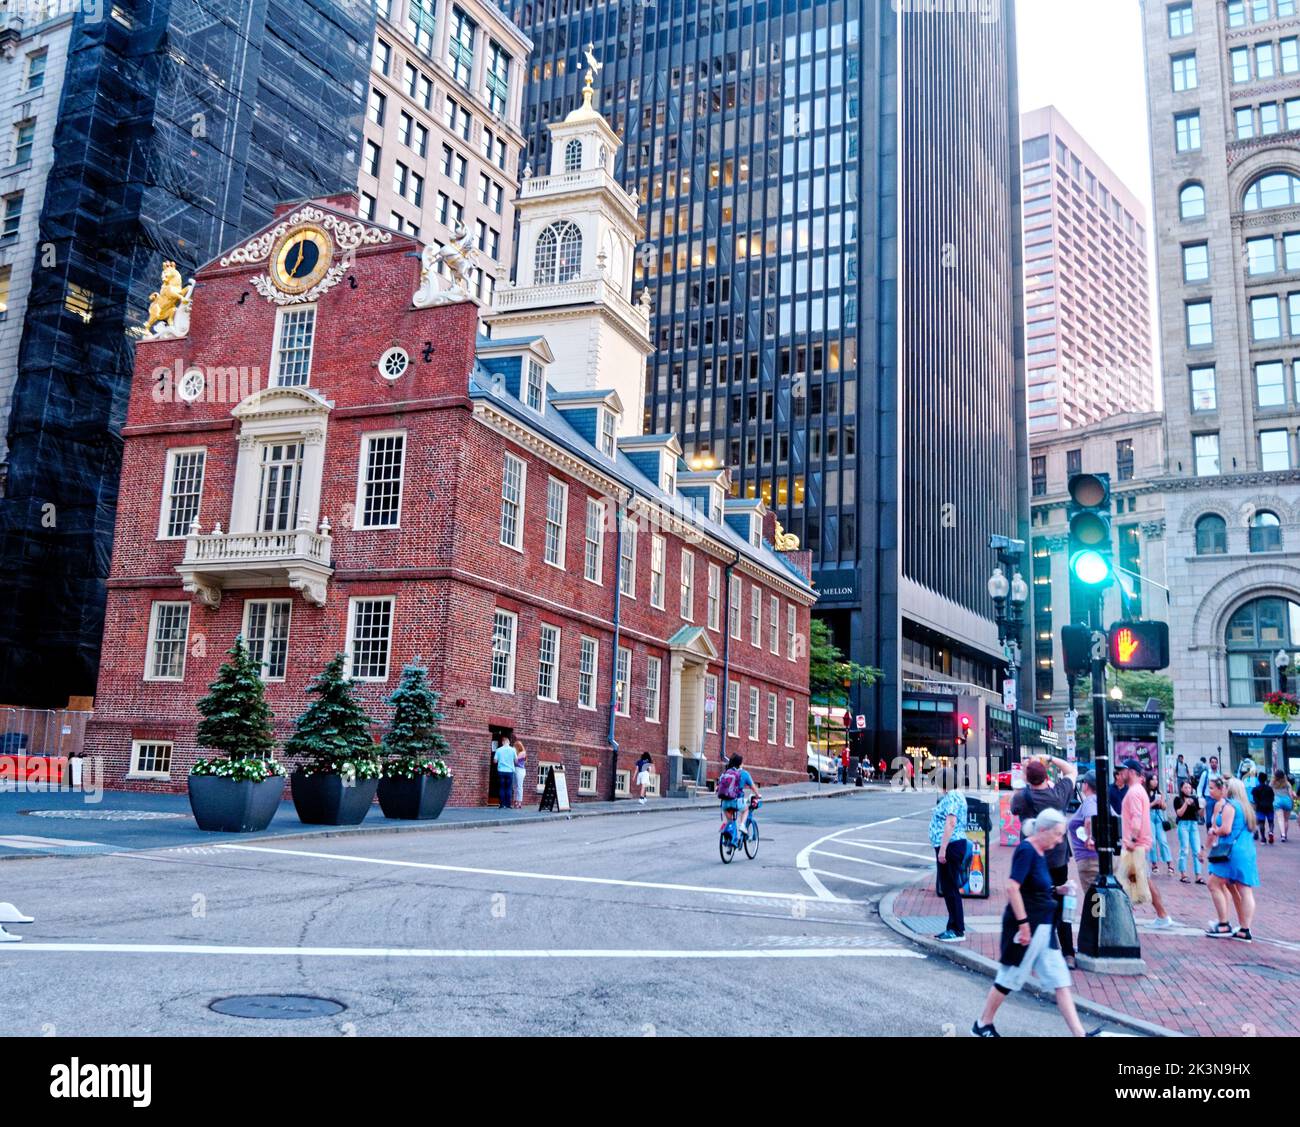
point(573, 155)
point(559, 254)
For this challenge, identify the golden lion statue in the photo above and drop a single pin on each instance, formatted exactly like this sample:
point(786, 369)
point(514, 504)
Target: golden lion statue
point(164, 304)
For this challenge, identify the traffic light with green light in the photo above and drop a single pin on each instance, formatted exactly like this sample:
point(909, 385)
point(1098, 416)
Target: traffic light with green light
point(1091, 564)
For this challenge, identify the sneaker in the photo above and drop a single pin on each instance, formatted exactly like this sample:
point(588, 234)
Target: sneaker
point(983, 1030)
point(1161, 923)
point(641, 800)
point(950, 936)
point(11, 915)
point(1095, 1032)
point(9, 937)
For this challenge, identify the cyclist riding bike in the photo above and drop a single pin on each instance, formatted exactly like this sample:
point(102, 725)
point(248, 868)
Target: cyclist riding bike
point(734, 782)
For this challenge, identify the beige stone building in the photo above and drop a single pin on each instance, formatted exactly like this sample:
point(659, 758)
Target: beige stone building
point(442, 141)
point(1224, 101)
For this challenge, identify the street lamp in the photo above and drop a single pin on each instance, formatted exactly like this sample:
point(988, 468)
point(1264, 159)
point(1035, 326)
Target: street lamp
point(1009, 598)
point(1281, 662)
point(1116, 693)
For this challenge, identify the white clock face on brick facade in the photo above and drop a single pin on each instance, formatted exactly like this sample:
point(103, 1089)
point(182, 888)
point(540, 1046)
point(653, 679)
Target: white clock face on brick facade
point(301, 259)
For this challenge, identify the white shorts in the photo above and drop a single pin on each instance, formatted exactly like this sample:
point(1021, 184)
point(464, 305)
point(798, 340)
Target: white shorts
point(1043, 962)
point(643, 778)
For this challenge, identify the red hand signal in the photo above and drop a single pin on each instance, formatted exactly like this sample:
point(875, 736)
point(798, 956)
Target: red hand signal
point(1126, 646)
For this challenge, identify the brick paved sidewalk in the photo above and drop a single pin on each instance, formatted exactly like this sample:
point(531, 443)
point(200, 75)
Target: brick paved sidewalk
point(1253, 992)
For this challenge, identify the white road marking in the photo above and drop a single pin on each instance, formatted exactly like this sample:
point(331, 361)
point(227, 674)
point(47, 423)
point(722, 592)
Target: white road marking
point(712, 891)
point(883, 849)
point(851, 880)
point(467, 953)
point(810, 875)
point(25, 841)
point(860, 860)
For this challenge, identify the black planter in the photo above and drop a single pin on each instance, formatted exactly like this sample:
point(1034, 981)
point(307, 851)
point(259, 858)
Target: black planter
point(229, 806)
point(323, 800)
point(420, 798)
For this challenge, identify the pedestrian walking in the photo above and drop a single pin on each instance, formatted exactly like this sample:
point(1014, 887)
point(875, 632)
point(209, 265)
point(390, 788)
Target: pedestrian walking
point(1136, 839)
point(1082, 843)
point(1038, 794)
point(643, 766)
point(1234, 872)
point(1261, 794)
point(11, 915)
point(521, 772)
point(1181, 774)
point(505, 760)
point(1029, 939)
point(1283, 801)
point(951, 851)
point(1160, 827)
point(1187, 811)
point(1203, 789)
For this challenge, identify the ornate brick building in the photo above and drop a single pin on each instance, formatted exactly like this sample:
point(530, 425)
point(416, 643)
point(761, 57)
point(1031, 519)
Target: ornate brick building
point(322, 454)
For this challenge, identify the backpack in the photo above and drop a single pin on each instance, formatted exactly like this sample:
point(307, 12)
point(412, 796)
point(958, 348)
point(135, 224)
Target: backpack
point(729, 783)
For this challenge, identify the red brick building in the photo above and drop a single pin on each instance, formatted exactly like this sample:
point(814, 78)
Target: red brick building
point(323, 457)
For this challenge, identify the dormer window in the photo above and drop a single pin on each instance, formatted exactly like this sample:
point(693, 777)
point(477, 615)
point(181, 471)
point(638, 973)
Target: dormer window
point(715, 503)
point(573, 156)
point(534, 384)
point(608, 424)
point(667, 473)
point(755, 531)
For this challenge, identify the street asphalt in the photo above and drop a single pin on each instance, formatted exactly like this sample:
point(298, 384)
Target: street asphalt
point(628, 925)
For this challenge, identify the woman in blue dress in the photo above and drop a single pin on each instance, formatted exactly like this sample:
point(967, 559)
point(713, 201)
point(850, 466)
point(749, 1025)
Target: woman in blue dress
point(1235, 877)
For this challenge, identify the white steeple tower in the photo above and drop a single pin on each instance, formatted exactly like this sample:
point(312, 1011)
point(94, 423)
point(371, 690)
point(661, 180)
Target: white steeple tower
point(578, 230)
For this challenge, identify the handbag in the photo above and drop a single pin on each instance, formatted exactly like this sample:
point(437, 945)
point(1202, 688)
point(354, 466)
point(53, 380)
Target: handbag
point(1221, 850)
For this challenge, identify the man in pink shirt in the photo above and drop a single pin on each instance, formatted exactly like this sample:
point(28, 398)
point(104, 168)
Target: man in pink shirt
point(1135, 832)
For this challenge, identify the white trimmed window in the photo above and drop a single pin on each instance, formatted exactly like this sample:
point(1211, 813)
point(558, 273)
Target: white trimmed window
point(622, 784)
point(548, 663)
point(774, 625)
point(608, 426)
point(279, 486)
point(756, 617)
point(169, 635)
point(557, 517)
point(688, 586)
point(266, 633)
point(150, 759)
point(295, 333)
point(627, 569)
point(543, 769)
point(789, 721)
point(733, 708)
point(652, 671)
point(791, 627)
point(711, 694)
point(535, 385)
point(668, 473)
point(370, 638)
point(587, 673)
point(505, 628)
point(715, 597)
point(514, 477)
point(379, 492)
point(771, 718)
point(734, 610)
point(586, 779)
point(594, 541)
point(657, 572)
point(183, 493)
point(753, 713)
point(623, 681)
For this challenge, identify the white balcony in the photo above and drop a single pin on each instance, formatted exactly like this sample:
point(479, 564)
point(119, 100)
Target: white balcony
point(216, 561)
point(580, 180)
point(600, 291)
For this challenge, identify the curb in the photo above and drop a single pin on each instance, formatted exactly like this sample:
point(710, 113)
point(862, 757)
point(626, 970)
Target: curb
point(430, 827)
point(986, 966)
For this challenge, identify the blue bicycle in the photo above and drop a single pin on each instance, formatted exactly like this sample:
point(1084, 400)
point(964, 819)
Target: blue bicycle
point(732, 839)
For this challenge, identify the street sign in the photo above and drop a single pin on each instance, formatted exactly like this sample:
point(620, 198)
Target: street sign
point(1070, 747)
point(1009, 695)
point(1072, 720)
point(862, 723)
point(1139, 644)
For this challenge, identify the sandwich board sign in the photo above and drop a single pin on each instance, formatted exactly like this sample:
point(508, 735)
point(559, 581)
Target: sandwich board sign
point(555, 795)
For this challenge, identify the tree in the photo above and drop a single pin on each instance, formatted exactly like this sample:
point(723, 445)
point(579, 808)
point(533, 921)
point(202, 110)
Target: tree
point(236, 718)
point(333, 736)
point(1136, 685)
point(829, 674)
point(414, 742)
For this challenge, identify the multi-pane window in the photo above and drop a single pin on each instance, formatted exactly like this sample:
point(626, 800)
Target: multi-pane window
point(733, 605)
point(710, 698)
point(594, 541)
point(657, 556)
point(266, 631)
point(535, 385)
point(715, 597)
point(370, 159)
point(152, 758)
point(755, 616)
point(184, 491)
point(687, 601)
point(513, 478)
point(13, 215)
point(753, 713)
point(383, 56)
point(789, 721)
point(791, 630)
point(421, 23)
point(548, 663)
point(370, 638)
point(1265, 317)
point(1268, 119)
point(608, 441)
point(1204, 396)
point(573, 155)
point(733, 708)
point(1290, 52)
point(1261, 255)
point(557, 257)
point(36, 70)
point(1291, 251)
point(587, 658)
point(627, 564)
point(460, 47)
point(1264, 67)
point(380, 504)
point(1265, 532)
point(1200, 324)
point(774, 624)
point(557, 508)
point(1180, 20)
point(1270, 384)
point(771, 717)
point(1073, 461)
point(1124, 459)
point(169, 632)
point(377, 106)
point(1239, 58)
point(1205, 448)
point(294, 347)
point(457, 118)
point(505, 627)
point(278, 486)
point(1184, 72)
point(1187, 131)
point(623, 681)
point(587, 778)
point(498, 78)
point(1245, 119)
point(1274, 450)
point(1191, 202)
point(653, 669)
point(1211, 536)
point(1196, 262)
point(24, 138)
point(491, 194)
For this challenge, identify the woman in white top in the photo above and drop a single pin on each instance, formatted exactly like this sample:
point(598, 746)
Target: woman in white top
point(521, 772)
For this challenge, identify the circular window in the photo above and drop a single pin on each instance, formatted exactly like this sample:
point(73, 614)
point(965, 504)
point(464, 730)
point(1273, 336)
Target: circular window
point(393, 363)
point(191, 385)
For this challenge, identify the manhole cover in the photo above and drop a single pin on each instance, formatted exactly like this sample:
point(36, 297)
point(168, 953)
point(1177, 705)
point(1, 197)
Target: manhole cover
point(281, 1007)
point(1268, 972)
point(106, 815)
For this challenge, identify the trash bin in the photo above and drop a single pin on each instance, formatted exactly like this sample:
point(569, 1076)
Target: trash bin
point(978, 827)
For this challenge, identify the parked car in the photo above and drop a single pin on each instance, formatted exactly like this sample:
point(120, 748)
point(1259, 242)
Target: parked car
point(821, 767)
